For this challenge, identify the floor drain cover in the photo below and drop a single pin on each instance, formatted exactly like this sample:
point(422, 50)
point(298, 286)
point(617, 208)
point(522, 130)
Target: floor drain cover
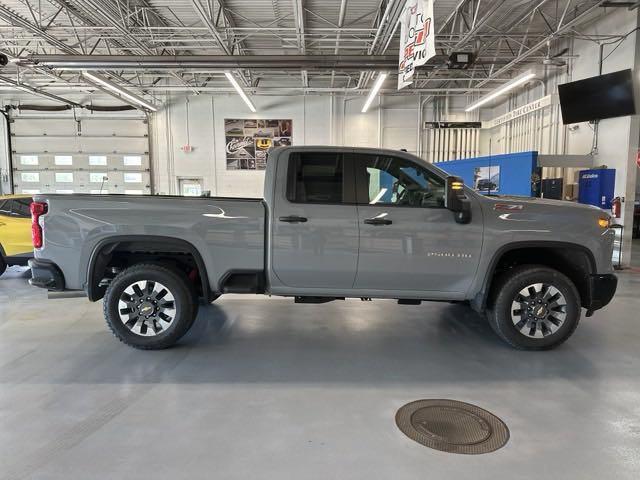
point(452, 426)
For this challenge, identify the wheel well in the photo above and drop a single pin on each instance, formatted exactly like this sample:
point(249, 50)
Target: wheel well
point(114, 256)
point(573, 261)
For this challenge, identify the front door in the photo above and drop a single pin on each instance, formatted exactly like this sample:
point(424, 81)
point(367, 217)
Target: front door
point(314, 238)
point(408, 240)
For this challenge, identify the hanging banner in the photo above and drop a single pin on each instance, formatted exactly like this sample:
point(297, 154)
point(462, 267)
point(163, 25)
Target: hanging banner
point(417, 39)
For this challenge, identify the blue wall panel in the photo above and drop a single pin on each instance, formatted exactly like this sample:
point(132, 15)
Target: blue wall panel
point(508, 174)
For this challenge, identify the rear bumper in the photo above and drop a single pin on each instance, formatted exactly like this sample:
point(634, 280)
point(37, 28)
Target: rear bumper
point(602, 288)
point(46, 274)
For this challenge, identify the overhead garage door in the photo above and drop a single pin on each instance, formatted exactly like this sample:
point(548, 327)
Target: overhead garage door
point(91, 154)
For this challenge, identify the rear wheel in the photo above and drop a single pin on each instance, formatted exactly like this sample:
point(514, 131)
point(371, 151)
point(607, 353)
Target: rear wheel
point(3, 265)
point(149, 306)
point(534, 308)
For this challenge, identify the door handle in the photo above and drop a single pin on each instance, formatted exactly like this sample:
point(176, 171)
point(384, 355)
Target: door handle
point(378, 221)
point(293, 219)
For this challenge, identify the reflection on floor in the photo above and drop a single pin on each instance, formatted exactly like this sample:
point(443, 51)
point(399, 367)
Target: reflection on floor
point(263, 388)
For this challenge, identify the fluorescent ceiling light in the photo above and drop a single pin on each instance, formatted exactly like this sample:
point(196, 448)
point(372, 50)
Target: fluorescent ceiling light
point(374, 91)
point(240, 91)
point(510, 85)
point(119, 90)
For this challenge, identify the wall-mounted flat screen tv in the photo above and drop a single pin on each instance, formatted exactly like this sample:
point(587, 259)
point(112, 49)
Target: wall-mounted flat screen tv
point(596, 98)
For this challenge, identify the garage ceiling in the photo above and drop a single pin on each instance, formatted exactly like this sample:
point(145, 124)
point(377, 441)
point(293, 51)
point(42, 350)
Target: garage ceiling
point(504, 34)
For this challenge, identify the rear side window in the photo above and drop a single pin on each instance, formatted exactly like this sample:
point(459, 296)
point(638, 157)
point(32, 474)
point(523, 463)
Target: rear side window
point(316, 177)
point(20, 207)
point(5, 207)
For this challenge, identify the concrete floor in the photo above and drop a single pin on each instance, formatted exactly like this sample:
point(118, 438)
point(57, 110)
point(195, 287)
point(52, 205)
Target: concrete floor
point(263, 388)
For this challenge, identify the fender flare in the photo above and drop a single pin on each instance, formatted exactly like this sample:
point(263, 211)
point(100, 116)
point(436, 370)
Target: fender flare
point(479, 302)
point(93, 292)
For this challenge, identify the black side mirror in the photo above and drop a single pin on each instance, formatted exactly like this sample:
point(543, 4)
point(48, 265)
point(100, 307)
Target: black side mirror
point(456, 201)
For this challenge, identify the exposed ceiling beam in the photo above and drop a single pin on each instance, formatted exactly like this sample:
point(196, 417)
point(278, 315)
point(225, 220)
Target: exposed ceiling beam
point(15, 19)
point(560, 29)
point(298, 15)
point(213, 30)
point(35, 91)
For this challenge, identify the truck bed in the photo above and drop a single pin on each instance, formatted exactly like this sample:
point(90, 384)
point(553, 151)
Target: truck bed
point(229, 233)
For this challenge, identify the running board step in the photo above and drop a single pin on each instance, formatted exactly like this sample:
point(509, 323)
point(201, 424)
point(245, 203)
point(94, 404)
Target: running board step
point(316, 299)
point(408, 301)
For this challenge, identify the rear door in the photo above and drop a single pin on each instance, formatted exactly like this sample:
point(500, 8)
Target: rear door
point(408, 240)
point(314, 236)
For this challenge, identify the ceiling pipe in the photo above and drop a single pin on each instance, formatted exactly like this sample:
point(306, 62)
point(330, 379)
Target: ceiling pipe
point(223, 62)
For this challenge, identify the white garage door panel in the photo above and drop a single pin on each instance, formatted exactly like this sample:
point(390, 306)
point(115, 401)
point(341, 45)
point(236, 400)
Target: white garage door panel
point(119, 146)
point(73, 144)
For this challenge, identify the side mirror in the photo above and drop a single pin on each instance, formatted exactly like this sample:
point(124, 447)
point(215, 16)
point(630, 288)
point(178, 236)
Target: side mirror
point(456, 200)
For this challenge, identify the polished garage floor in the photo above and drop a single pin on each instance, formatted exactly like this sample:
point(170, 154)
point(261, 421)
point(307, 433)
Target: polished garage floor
point(263, 388)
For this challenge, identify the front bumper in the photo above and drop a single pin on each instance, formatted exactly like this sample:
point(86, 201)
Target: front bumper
point(601, 288)
point(46, 274)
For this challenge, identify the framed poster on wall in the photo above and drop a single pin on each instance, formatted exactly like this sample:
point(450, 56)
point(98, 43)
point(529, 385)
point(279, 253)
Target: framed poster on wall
point(248, 141)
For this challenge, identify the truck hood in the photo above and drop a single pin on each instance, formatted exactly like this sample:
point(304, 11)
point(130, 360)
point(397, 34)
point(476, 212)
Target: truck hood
point(542, 202)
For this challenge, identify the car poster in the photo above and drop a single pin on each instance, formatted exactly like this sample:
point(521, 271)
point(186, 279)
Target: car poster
point(248, 141)
point(487, 179)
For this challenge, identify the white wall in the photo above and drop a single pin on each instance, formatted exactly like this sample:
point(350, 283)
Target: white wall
point(317, 120)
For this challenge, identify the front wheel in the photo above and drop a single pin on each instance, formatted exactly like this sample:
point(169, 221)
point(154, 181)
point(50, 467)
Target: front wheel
point(3, 265)
point(149, 306)
point(534, 308)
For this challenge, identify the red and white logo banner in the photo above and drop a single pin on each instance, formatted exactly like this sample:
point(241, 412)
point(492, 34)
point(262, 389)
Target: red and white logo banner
point(417, 39)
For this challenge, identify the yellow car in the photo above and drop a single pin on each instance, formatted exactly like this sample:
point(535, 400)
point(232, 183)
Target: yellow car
point(15, 231)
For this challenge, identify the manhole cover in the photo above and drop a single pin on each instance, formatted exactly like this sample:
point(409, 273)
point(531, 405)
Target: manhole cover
point(452, 426)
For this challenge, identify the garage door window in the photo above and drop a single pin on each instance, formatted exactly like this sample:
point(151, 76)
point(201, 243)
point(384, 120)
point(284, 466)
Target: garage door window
point(133, 192)
point(97, 177)
point(28, 160)
point(132, 160)
point(64, 177)
point(30, 176)
point(132, 177)
point(65, 191)
point(98, 192)
point(97, 160)
point(63, 160)
point(30, 191)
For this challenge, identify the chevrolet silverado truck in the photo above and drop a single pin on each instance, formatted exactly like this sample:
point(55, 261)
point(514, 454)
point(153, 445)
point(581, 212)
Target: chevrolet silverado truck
point(334, 223)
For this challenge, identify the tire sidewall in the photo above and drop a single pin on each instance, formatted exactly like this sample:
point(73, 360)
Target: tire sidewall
point(513, 285)
point(183, 299)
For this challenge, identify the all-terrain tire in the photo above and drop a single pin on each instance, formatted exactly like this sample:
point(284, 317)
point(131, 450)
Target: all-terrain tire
point(141, 335)
point(505, 320)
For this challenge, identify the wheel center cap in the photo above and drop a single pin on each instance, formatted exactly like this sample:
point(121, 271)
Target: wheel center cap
point(540, 311)
point(146, 309)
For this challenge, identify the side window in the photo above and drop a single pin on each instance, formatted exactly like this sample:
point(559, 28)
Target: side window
point(384, 180)
point(5, 208)
point(315, 177)
point(20, 207)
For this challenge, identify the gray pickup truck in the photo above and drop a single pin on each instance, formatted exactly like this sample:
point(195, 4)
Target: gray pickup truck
point(333, 223)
